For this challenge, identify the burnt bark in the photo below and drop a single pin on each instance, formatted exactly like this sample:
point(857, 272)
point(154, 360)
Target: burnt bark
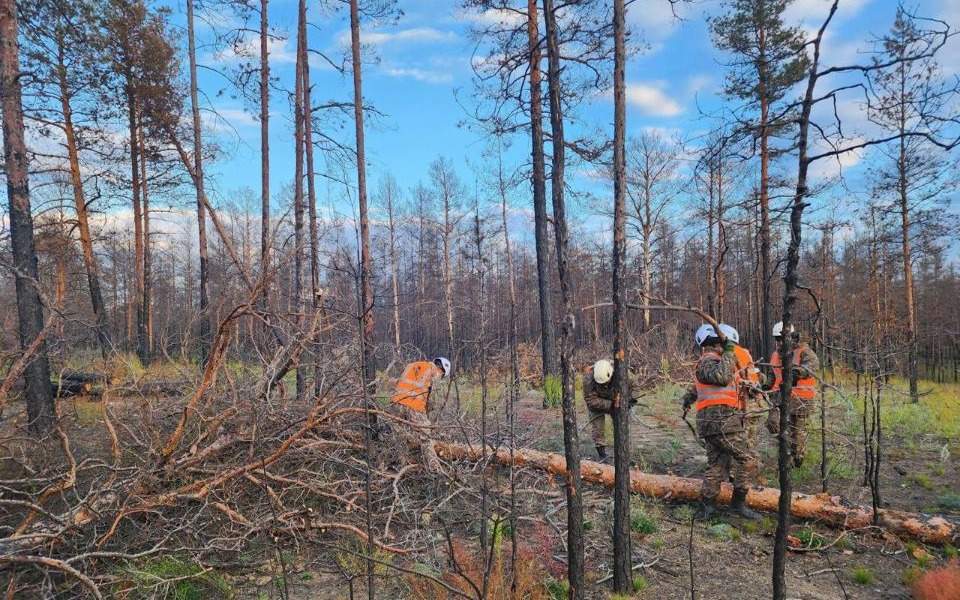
point(205, 327)
point(571, 442)
point(80, 205)
point(538, 177)
point(622, 554)
point(41, 414)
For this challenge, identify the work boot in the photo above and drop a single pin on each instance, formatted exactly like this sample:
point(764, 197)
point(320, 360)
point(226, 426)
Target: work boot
point(739, 505)
point(602, 453)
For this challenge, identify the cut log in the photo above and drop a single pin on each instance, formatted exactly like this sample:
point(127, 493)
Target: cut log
point(831, 510)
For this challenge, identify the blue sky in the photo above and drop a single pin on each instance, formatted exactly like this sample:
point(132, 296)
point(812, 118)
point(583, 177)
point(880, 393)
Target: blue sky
point(418, 74)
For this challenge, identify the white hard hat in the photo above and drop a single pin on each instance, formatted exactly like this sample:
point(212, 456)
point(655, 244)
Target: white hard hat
point(778, 329)
point(602, 371)
point(705, 331)
point(730, 333)
point(444, 364)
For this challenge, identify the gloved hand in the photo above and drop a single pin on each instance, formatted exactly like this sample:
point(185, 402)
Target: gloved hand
point(728, 346)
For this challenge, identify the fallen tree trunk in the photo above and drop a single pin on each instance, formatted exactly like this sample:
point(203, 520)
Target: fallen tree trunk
point(832, 510)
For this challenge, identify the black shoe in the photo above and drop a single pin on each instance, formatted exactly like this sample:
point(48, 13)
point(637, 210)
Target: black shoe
point(602, 453)
point(739, 505)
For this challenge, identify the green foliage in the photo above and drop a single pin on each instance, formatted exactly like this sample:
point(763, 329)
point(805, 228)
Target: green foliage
point(683, 513)
point(587, 525)
point(910, 575)
point(640, 583)
point(552, 390)
point(862, 575)
point(810, 538)
point(658, 543)
point(923, 480)
point(557, 589)
point(642, 523)
point(949, 501)
point(949, 552)
point(724, 532)
point(193, 582)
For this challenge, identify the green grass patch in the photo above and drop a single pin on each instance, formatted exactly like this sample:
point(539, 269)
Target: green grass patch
point(949, 501)
point(174, 578)
point(552, 390)
point(862, 575)
point(643, 523)
point(640, 583)
point(724, 532)
point(810, 538)
point(557, 589)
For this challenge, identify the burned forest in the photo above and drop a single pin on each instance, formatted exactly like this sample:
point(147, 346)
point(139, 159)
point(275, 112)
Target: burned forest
point(480, 299)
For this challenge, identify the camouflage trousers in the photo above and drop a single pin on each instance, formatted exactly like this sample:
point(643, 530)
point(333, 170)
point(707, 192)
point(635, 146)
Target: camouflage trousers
point(598, 426)
point(797, 434)
point(729, 455)
point(417, 436)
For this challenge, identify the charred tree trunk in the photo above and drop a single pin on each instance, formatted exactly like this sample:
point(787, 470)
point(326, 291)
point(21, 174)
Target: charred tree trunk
point(41, 414)
point(205, 327)
point(394, 270)
point(135, 191)
point(571, 440)
point(548, 341)
point(80, 205)
point(622, 552)
point(298, 245)
point(366, 284)
point(315, 291)
point(790, 281)
point(145, 321)
point(264, 152)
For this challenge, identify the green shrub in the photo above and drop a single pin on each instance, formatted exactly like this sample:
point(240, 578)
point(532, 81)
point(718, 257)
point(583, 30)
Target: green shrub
point(642, 523)
point(949, 501)
point(640, 583)
point(723, 531)
point(949, 552)
point(193, 582)
point(862, 575)
point(552, 391)
point(557, 589)
point(810, 538)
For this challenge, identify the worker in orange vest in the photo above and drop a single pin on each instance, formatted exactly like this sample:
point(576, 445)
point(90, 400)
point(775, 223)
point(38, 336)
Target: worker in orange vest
point(803, 367)
point(721, 423)
point(411, 401)
point(751, 382)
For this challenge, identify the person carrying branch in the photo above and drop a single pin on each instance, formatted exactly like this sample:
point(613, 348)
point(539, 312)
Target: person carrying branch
point(804, 367)
point(411, 398)
point(721, 423)
point(751, 382)
point(598, 396)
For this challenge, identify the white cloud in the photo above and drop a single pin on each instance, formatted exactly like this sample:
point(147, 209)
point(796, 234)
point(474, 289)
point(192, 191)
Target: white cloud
point(424, 75)
point(492, 17)
point(831, 167)
point(651, 100)
point(225, 118)
point(249, 48)
point(811, 13)
point(655, 21)
point(414, 35)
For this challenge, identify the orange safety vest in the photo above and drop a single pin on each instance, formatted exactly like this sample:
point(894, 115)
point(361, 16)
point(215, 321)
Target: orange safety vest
point(713, 395)
point(804, 388)
point(413, 387)
point(745, 367)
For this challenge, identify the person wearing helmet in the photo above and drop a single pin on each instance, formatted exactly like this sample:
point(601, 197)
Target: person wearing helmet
point(598, 396)
point(751, 382)
point(721, 421)
point(411, 398)
point(803, 367)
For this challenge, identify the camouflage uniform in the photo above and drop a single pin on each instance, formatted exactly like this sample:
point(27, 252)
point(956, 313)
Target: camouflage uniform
point(599, 399)
point(800, 407)
point(723, 429)
point(753, 399)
